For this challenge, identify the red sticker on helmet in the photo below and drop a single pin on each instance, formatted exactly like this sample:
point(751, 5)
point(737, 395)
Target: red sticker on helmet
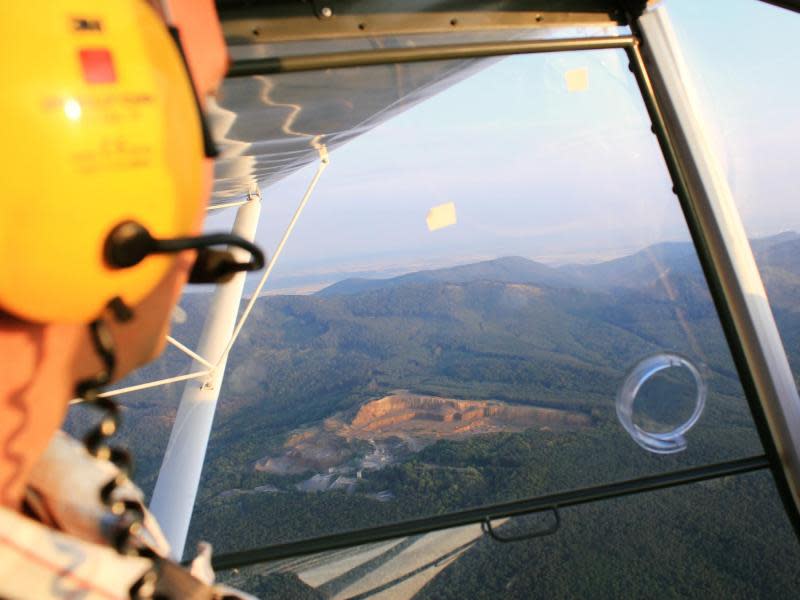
point(97, 65)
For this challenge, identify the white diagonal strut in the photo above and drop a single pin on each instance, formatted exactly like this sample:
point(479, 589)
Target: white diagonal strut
point(189, 352)
point(323, 163)
point(179, 477)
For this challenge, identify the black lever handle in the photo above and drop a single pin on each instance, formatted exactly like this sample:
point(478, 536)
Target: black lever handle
point(486, 527)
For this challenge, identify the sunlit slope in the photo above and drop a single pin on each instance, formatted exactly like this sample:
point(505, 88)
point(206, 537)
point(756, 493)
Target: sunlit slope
point(512, 269)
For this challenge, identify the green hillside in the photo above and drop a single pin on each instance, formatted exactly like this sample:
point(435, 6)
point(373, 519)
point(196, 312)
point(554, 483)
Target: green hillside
point(508, 330)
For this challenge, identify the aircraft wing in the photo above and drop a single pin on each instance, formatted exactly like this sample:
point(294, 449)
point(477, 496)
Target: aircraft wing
point(268, 126)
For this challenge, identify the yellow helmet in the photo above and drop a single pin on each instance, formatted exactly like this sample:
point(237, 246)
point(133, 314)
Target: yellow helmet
point(101, 127)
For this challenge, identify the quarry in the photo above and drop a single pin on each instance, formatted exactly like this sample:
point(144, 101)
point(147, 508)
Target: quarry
point(386, 429)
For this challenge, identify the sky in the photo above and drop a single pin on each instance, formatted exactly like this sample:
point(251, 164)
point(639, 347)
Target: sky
point(540, 171)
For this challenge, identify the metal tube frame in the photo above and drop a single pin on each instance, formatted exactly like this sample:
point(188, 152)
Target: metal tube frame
point(725, 255)
point(721, 278)
point(391, 56)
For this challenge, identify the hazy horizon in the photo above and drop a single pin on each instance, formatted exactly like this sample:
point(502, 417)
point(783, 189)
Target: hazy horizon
point(539, 171)
point(311, 280)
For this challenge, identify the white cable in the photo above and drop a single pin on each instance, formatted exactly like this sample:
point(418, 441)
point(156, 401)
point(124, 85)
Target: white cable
point(150, 384)
point(324, 161)
point(189, 352)
point(144, 386)
point(211, 207)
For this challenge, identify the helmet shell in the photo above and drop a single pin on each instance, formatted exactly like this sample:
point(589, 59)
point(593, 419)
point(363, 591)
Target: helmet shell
point(101, 126)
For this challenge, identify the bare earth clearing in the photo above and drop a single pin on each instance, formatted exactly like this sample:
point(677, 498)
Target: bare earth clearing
point(403, 421)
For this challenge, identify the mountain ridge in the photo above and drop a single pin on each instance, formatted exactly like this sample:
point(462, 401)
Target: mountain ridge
point(510, 269)
point(640, 268)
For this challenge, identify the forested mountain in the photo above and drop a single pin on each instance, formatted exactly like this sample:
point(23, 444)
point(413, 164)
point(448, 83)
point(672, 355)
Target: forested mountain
point(511, 332)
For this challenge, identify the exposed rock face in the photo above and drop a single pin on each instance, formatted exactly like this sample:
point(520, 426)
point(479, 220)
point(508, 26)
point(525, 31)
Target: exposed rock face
point(447, 417)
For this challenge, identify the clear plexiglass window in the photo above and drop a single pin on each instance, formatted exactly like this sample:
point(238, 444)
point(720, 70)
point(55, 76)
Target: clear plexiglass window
point(491, 296)
point(749, 103)
point(457, 313)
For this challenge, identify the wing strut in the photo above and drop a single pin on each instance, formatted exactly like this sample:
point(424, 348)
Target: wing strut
point(179, 478)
